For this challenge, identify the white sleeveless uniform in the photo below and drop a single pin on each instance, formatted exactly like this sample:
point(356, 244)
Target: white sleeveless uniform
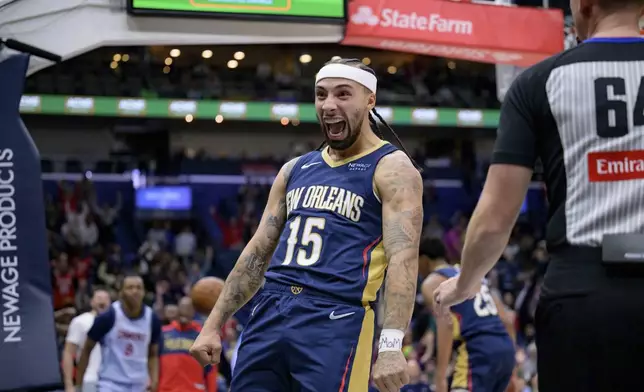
point(124, 365)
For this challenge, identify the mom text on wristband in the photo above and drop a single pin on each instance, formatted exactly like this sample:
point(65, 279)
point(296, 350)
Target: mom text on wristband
point(391, 340)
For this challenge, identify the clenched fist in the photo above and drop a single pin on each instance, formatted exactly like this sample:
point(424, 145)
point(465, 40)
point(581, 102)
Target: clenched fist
point(390, 371)
point(207, 348)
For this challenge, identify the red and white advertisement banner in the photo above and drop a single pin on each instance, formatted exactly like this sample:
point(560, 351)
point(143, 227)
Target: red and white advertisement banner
point(485, 33)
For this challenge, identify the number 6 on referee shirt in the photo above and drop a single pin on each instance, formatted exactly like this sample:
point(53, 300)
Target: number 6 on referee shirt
point(612, 107)
point(310, 236)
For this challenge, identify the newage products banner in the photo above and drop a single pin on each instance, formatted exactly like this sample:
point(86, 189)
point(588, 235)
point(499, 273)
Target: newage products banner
point(28, 354)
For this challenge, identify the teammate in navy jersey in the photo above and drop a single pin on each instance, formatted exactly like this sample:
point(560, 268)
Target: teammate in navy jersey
point(129, 334)
point(336, 219)
point(478, 332)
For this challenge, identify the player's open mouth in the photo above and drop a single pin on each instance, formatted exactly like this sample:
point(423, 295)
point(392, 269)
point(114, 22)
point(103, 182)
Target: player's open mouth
point(335, 128)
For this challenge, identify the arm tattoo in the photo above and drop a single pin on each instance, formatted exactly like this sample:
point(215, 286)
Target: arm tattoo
point(248, 274)
point(402, 192)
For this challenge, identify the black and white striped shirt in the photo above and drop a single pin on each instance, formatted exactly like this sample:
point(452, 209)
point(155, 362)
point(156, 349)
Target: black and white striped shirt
point(582, 113)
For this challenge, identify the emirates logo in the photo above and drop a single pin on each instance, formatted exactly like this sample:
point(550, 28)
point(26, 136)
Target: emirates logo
point(365, 16)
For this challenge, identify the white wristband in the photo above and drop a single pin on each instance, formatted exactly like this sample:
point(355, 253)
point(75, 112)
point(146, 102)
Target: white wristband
point(391, 340)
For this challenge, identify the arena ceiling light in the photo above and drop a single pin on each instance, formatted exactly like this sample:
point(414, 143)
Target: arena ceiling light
point(175, 53)
point(125, 58)
point(206, 54)
point(336, 58)
point(168, 61)
point(392, 70)
point(239, 56)
point(117, 57)
point(232, 64)
point(305, 58)
point(219, 119)
point(366, 61)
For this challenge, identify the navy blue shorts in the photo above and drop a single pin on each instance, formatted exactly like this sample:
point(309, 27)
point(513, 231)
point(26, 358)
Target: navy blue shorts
point(483, 364)
point(295, 341)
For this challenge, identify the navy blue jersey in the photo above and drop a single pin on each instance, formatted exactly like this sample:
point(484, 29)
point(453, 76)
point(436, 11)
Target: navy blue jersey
point(484, 350)
point(332, 240)
point(476, 316)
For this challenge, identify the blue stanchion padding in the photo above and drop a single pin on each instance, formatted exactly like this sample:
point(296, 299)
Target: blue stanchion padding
point(28, 352)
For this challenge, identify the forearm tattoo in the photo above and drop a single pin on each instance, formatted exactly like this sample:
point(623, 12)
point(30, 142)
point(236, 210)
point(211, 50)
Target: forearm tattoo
point(402, 227)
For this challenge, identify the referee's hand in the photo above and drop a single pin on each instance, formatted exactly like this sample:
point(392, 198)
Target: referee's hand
point(448, 294)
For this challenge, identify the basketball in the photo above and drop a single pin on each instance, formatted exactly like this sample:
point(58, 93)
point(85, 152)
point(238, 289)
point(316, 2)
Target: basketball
point(205, 292)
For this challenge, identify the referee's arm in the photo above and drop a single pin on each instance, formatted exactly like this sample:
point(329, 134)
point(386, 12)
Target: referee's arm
point(506, 185)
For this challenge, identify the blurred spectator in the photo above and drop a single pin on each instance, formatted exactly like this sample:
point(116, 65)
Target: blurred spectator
point(107, 216)
point(434, 229)
point(75, 340)
point(454, 238)
point(64, 282)
point(178, 370)
point(185, 243)
point(159, 234)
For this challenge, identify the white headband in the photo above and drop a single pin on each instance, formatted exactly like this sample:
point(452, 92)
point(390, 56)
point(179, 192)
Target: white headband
point(344, 71)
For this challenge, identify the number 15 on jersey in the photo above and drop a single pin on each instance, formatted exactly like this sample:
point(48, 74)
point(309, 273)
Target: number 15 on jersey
point(308, 238)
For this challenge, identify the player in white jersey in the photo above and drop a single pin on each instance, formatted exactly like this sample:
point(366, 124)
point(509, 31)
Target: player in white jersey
point(582, 113)
point(75, 341)
point(129, 334)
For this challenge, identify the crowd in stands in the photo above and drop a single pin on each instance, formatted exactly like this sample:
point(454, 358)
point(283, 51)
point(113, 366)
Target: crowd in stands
point(85, 255)
point(280, 77)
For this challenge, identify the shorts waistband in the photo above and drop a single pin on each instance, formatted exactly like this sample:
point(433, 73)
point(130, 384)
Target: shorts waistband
point(300, 291)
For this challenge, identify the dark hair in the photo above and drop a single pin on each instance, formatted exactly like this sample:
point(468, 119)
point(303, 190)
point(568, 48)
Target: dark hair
point(432, 248)
point(129, 274)
point(372, 121)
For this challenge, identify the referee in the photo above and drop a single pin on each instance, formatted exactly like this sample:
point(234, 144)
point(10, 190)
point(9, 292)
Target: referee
point(582, 113)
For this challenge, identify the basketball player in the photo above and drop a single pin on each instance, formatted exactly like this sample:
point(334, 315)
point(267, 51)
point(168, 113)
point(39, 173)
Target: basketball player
point(335, 220)
point(484, 349)
point(129, 333)
point(75, 341)
point(582, 113)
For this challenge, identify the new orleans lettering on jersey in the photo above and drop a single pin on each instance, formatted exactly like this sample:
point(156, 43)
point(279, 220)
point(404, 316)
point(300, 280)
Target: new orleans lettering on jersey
point(332, 240)
point(324, 197)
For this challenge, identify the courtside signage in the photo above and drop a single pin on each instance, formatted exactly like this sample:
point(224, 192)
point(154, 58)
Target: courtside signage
point(79, 105)
point(131, 107)
point(518, 36)
point(234, 110)
point(30, 103)
point(182, 108)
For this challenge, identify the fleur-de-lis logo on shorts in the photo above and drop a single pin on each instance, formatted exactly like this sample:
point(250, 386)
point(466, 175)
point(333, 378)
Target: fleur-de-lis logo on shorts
point(296, 290)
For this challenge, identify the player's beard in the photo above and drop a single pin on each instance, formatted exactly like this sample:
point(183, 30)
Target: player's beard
point(341, 132)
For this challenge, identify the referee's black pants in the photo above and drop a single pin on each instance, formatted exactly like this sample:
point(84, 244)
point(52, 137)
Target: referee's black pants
point(590, 328)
